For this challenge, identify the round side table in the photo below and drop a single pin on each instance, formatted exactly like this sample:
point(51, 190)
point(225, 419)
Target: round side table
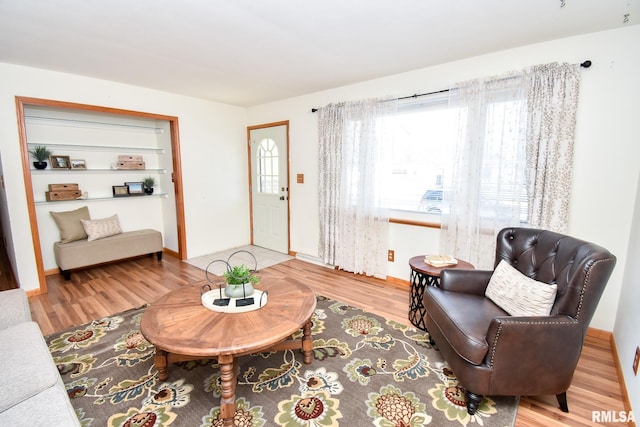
point(423, 275)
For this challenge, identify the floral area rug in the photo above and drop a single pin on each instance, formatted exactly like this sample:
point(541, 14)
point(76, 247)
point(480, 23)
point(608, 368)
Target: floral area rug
point(365, 371)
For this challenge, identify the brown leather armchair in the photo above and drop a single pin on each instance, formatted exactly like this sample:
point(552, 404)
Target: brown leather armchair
point(493, 353)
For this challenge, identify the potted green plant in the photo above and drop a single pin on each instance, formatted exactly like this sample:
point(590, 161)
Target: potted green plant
point(148, 182)
point(41, 154)
point(240, 281)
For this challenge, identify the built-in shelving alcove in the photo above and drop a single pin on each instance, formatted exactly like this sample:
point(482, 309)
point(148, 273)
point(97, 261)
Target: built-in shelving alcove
point(93, 139)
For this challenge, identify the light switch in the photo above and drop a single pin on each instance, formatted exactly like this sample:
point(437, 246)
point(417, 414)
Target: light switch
point(300, 178)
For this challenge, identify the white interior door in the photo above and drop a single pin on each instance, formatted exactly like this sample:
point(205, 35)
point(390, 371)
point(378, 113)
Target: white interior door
point(270, 187)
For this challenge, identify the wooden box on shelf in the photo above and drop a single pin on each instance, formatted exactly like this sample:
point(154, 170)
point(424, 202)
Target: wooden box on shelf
point(63, 187)
point(62, 192)
point(130, 161)
point(129, 158)
point(130, 165)
point(53, 196)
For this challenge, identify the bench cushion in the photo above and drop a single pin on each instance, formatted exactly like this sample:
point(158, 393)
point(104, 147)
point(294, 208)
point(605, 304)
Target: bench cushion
point(83, 253)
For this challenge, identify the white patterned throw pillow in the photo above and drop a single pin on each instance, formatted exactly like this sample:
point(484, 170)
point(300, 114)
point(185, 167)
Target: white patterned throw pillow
point(101, 228)
point(518, 294)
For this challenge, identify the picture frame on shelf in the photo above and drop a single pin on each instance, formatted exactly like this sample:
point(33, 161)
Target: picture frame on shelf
point(135, 188)
point(120, 190)
point(78, 164)
point(59, 162)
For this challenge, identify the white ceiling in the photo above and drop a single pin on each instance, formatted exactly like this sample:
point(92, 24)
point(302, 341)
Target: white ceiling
point(248, 52)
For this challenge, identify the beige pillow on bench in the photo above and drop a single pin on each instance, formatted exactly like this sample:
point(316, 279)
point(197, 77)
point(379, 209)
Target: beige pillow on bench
point(101, 228)
point(70, 224)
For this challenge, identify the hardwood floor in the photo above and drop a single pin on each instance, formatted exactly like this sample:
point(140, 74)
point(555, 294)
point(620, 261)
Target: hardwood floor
point(105, 290)
point(7, 279)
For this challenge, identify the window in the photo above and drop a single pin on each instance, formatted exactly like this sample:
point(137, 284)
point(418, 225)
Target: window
point(425, 130)
point(423, 139)
point(267, 167)
point(503, 181)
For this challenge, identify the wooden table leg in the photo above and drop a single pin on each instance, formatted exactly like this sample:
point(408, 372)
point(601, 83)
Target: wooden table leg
point(307, 343)
point(229, 376)
point(160, 361)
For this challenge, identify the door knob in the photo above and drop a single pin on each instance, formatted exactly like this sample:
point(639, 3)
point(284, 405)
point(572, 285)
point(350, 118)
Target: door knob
point(281, 197)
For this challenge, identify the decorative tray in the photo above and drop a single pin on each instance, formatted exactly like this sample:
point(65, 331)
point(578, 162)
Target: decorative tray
point(235, 305)
point(440, 261)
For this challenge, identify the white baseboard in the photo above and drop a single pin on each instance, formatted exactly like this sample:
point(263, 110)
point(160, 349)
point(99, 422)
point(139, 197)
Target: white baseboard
point(312, 259)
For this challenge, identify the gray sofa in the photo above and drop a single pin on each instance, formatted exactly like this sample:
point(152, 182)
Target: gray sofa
point(32, 393)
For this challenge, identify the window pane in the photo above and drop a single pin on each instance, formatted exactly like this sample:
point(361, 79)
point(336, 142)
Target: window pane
point(421, 155)
point(503, 181)
point(268, 167)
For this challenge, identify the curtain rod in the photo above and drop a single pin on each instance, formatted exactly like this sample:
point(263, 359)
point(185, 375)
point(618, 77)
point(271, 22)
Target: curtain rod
point(585, 64)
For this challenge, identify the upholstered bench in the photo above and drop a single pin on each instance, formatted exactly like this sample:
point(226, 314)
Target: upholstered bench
point(84, 253)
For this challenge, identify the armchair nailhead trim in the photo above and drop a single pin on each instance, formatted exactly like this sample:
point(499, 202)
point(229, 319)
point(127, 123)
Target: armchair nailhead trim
point(504, 322)
point(586, 282)
point(495, 344)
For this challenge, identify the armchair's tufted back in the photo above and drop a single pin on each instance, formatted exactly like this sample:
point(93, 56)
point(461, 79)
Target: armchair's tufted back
point(580, 269)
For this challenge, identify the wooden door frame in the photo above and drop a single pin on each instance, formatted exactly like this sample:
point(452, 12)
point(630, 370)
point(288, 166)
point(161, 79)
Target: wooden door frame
point(262, 126)
point(22, 102)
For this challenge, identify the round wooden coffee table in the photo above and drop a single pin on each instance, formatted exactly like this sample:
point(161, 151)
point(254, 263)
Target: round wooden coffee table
point(182, 329)
point(422, 275)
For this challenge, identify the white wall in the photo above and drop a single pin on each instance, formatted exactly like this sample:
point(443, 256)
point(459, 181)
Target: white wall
point(606, 154)
point(213, 138)
point(213, 149)
point(628, 318)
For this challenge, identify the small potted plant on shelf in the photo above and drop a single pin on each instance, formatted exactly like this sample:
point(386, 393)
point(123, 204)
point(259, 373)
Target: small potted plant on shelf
point(240, 281)
point(148, 182)
point(41, 154)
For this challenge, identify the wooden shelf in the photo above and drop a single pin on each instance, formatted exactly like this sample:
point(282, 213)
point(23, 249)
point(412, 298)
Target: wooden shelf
point(109, 148)
point(83, 171)
point(90, 124)
point(100, 199)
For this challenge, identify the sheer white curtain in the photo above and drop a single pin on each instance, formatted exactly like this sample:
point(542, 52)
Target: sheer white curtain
point(513, 158)
point(552, 103)
point(484, 193)
point(354, 224)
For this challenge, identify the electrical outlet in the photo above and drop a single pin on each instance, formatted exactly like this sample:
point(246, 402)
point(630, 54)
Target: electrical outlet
point(391, 255)
point(636, 361)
